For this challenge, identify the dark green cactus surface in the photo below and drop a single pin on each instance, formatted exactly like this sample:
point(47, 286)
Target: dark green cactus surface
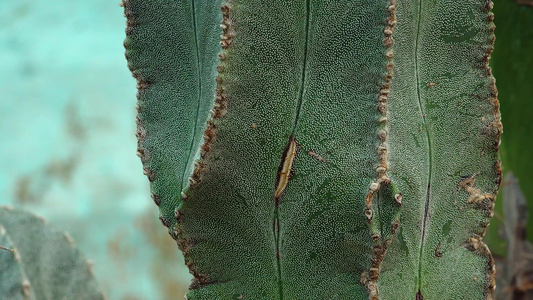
point(44, 264)
point(315, 149)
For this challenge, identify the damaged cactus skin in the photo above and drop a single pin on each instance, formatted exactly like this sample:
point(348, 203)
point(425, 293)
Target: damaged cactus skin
point(320, 149)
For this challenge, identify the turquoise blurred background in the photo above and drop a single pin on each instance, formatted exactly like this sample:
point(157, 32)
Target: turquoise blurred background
point(67, 132)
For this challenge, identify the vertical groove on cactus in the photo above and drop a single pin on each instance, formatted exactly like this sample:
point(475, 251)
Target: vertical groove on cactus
point(286, 166)
point(304, 65)
point(191, 152)
point(218, 111)
point(220, 104)
point(282, 179)
point(427, 140)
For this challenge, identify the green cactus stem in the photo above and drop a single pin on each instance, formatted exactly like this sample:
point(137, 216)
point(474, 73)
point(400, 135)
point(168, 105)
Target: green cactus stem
point(310, 149)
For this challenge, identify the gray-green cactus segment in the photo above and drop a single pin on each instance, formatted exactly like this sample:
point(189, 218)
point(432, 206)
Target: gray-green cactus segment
point(14, 283)
point(49, 261)
point(289, 75)
point(444, 135)
point(172, 49)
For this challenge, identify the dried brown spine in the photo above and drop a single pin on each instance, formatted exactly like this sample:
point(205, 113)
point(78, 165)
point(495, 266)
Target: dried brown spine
point(485, 201)
point(369, 279)
point(382, 99)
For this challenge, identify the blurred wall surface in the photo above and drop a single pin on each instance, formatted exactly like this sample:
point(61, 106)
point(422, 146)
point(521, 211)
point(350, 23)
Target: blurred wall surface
point(67, 132)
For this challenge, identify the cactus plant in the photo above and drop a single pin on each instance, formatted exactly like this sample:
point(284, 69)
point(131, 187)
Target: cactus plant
point(43, 262)
point(315, 149)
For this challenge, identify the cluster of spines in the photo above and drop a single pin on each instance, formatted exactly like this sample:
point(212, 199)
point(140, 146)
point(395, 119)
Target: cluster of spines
point(485, 201)
point(369, 279)
point(382, 99)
